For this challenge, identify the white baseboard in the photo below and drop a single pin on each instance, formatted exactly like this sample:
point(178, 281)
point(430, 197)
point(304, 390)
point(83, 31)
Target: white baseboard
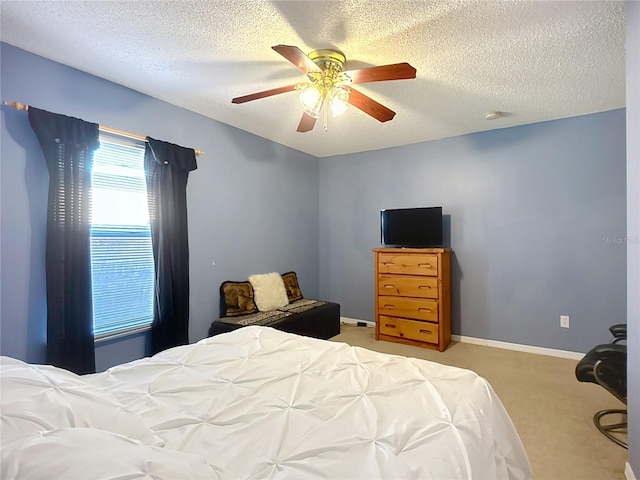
point(519, 347)
point(492, 343)
point(628, 472)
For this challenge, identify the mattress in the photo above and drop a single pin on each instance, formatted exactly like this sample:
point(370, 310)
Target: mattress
point(261, 403)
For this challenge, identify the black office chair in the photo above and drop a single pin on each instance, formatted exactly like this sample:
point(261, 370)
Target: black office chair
point(606, 365)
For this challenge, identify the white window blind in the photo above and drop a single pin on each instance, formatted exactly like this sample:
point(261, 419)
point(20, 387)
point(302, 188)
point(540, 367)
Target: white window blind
point(121, 255)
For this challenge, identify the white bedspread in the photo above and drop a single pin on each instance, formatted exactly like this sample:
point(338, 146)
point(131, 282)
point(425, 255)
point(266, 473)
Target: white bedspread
point(259, 403)
point(256, 403)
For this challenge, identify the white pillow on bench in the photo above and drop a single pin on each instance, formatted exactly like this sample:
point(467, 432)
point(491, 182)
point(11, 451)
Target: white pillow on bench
point(269, 291)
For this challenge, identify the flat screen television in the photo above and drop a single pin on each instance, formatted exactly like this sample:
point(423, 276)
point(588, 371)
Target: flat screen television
point(411, 227)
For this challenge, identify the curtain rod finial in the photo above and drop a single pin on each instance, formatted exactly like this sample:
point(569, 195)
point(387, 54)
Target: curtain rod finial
point(17, 105)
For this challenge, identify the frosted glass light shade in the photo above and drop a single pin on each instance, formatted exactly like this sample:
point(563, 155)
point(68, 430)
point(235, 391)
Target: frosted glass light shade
point(339, 101)
point(311, 101)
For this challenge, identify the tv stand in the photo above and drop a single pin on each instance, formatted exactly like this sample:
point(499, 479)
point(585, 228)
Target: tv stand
point(413, 296)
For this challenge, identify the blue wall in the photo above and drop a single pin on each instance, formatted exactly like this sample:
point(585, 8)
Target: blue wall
point(252, 204)
point(535, 215)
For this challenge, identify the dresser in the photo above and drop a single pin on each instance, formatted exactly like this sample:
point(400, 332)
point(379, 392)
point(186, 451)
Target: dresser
point(413, 296)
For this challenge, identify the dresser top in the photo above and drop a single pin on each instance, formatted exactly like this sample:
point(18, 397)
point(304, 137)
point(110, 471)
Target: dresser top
point(411, 250)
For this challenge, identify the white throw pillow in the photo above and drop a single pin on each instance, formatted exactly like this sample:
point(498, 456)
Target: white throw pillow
point(38, 398)
point(269, 292)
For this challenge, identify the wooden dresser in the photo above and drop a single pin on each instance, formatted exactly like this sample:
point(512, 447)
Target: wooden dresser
point(413, 296)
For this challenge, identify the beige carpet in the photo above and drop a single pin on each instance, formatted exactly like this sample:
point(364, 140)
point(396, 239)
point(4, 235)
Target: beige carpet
point(551, 410)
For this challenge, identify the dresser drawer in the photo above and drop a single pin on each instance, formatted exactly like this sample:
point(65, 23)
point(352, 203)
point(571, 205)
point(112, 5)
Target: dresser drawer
point(411, 329)
point(408, 307)
point(408, 286)
point(418, 264)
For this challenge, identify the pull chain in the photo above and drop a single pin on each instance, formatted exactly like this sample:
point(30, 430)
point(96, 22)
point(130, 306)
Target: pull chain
point(325, 107)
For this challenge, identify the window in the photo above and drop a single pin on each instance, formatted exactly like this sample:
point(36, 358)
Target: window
point(122, 266)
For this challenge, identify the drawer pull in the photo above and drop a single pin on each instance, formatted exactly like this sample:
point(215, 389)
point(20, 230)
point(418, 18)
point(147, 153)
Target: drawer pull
point(388, 305)
point(424, 287)
point(422, 309)
point(389, 325)
point(425, 331)
point(425, 265)
point(389, 285)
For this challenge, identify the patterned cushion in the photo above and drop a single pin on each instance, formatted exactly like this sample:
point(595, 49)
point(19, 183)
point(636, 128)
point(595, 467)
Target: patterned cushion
point(302, 305)
point(260, 318)
point(236, 299)
point(291, 285)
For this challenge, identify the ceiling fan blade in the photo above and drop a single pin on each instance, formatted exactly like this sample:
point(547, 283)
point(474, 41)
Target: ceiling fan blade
point(266, 93)
point(397, 71)
point(297, 57)
point(307, 122)
point(370, 106)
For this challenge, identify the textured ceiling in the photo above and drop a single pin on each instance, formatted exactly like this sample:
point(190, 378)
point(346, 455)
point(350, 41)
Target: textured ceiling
point(533, 60)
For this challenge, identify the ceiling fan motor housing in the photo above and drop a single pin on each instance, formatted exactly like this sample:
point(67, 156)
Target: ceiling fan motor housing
point(326, 58)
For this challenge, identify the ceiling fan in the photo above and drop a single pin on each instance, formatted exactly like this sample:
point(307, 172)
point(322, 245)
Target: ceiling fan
point(329, 85)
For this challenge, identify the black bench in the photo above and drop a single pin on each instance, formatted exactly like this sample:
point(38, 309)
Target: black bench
point(321, 320)
point(302, 316)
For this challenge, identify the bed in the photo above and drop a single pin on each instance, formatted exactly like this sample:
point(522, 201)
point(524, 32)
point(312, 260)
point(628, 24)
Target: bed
point(257, 403)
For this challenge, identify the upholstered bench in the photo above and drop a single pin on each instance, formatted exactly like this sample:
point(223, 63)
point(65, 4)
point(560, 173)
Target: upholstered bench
point(276, 301)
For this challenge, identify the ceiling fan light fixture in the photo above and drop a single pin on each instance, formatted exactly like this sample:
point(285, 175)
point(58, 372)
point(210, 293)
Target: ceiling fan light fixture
point(329, 85)
point(311, 100)
point(339, 101)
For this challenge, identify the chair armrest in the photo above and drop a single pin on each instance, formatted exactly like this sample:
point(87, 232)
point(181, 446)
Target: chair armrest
point(610, 369)
point(611, 352)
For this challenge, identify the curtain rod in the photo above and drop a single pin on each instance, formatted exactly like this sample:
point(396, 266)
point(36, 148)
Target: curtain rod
point(22, 106)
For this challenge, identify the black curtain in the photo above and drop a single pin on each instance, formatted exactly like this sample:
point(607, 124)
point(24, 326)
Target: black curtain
point(68, 145)
point(167, 168)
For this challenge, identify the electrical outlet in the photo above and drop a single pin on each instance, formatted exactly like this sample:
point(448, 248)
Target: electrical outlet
point(564, 321)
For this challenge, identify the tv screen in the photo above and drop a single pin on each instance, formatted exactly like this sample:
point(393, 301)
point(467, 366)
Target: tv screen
point(411, 227)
